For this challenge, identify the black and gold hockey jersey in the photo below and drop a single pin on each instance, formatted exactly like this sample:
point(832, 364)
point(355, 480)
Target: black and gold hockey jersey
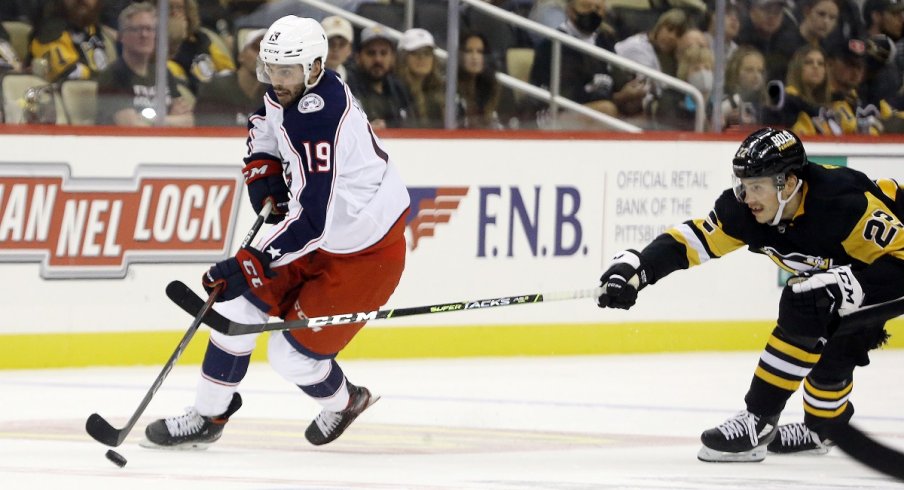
point(844, 219)
point(67, 52)
point(199, 58)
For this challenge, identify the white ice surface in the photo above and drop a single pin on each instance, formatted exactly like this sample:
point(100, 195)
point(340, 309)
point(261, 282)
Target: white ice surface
point(606, 422)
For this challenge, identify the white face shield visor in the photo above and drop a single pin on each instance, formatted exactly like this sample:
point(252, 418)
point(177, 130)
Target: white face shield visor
point(762, 188)
point(283, 75)
point(756, 187)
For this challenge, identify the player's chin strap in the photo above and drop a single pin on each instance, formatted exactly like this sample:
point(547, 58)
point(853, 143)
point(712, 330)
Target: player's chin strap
point(783, 202)
point(309, 86)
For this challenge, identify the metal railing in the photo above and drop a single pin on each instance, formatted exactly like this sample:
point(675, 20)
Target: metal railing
point(503, 78)
point(559, 38)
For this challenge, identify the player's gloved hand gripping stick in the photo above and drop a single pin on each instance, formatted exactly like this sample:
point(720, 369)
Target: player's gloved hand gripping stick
point(97, 426)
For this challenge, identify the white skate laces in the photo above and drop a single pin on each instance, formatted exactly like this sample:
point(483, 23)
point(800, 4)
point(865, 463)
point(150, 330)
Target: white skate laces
point(744, 423)
point(327, 421)
point(797, 434)
point(186, 424)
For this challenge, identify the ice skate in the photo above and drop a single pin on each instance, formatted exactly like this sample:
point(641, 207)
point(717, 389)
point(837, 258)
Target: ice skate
point(190, 431)
point(330, 425)
point(740, 439)
point(796, 438)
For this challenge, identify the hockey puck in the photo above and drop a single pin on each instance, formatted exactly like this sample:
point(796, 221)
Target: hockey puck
point(116, 458)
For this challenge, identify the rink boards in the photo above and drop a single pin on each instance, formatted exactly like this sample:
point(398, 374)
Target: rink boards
point(93, 227)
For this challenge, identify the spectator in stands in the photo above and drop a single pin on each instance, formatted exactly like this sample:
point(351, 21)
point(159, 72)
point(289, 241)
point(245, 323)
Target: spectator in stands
point(341, 36)
point(819, 18)
point(692, 37)
point(677, 110)
point(199, 55)
point(583, 78)
point(849, 24)
point(127, 88)
point(385, 100)
point(882, 78)
point(483, 102)
point(230, 97)
point(655, 49)
point(847, 67)
point(884, 17)
point(70, 42)
point(419, 72)
point(803, 102)
point(732, 28)
point(772, 30)
point(9, 60)
point(745, 88)
point(501, 34)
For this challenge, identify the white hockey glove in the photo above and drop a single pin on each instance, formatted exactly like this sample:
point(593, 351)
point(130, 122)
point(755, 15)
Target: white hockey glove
point(837, 289)
point(811, 301)
point(622, 280)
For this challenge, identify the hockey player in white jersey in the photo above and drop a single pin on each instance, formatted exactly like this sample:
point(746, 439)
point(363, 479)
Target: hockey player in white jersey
point(336, 245)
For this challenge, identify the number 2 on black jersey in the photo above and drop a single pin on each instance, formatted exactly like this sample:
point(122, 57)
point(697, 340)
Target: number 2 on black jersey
point(881, 228)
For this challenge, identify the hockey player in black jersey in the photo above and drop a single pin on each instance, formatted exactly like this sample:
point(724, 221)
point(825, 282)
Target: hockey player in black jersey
point(840, 233)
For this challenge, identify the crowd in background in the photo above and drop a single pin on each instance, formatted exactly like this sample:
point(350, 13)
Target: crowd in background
point(827, 67)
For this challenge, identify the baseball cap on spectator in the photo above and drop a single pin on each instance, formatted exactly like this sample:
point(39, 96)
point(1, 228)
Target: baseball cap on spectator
point(415, 39)
point(253, 37)
point(337, 26)
point(374, 33)
point(870, 6)
point(852, 50)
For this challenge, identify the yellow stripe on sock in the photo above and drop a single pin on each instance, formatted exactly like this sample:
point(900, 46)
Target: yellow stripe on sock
point(795, 352)
point(785, 384)
point(826, 414)
point(826, 394)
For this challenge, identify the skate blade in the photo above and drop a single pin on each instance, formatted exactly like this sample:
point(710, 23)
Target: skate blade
point(755, 455)
point(373, 399)
point(194, 446)
point(808, 452)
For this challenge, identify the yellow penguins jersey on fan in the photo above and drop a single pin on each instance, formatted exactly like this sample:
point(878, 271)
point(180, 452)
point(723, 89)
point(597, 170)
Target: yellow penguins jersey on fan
point(844, 219)
point(68, 53)
point(199, 59)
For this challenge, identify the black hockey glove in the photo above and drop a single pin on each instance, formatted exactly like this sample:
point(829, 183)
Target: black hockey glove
point(249, 268)
point(622, 280)
point(264, 179)
point(810, 302)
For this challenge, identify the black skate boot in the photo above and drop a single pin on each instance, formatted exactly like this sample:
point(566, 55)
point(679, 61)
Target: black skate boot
point(189, 431)
point(330, 425)
point(796, 438)
point(740, 439)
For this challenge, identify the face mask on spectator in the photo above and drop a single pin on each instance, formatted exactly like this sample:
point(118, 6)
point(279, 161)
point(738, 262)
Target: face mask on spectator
point(702, 80)
point(588, 22)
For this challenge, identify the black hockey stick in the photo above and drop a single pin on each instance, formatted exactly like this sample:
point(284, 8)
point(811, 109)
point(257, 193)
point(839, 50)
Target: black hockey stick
point(103, 431)
point(865, 315)
point(867, 451)
point(850, 439)
point(191, 303)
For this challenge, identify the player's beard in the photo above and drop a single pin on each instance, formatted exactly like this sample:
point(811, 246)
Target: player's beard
point(288, 94)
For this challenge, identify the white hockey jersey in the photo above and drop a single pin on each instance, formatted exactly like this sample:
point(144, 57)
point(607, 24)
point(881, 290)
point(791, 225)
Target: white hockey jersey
point(345, 192)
